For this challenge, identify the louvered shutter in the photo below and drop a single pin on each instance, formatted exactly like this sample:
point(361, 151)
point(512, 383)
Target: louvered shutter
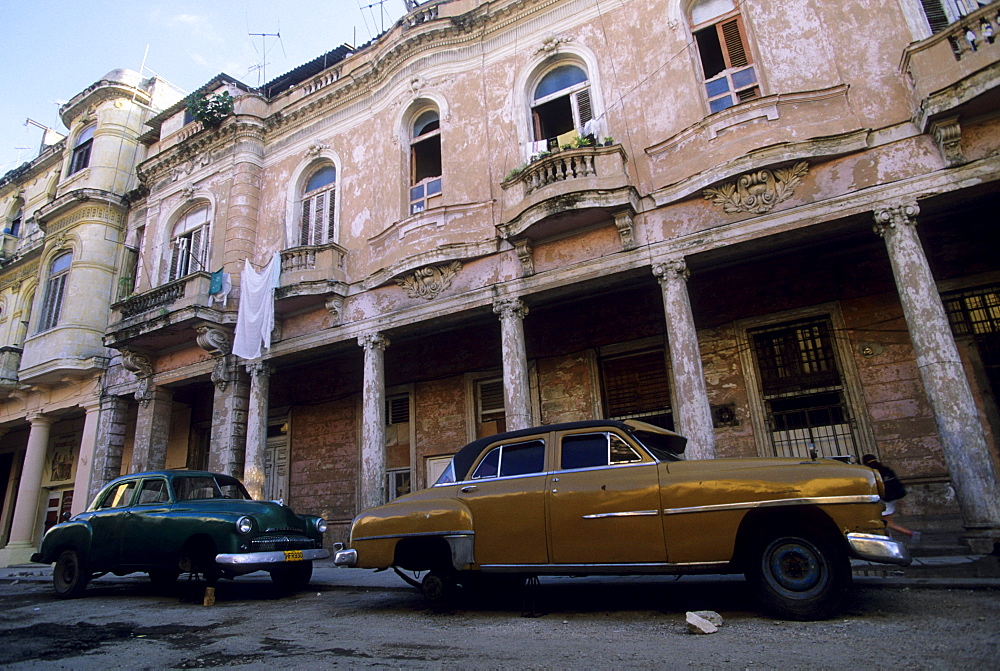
point(330, 216)
point(304, 224)
point(583, 107)
point(936, 17)
point(316, 234)
point(177, 255)
point(731, 34)
point(196, 260)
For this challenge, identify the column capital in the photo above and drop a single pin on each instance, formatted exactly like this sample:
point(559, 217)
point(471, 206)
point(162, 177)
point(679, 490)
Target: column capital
point(373, 340)
point(671, 269)
point(510, 307)
point(40, 419)
point(259, 369)
point(893, 216)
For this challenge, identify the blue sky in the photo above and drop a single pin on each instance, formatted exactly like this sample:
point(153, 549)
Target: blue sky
point(54, 49)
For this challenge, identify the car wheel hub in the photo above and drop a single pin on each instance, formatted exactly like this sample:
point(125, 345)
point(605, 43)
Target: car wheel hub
point(794, 567)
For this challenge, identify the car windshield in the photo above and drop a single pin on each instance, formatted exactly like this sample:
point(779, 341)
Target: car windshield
point(190, 487)
point(662, 447)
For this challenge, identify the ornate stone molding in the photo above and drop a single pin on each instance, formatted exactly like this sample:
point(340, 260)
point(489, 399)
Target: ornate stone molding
point(508, 308)
point(947, 134)
point(759, 191)
point(671, 269)
point(259, 369)
point(429, 281)
point(335, 306)
point(894, 216)
point(525, 254)
point(551, 43)
point(215, 341)
point(315, 149)
point(140, 365)
point(625, 223)
point(373, 340)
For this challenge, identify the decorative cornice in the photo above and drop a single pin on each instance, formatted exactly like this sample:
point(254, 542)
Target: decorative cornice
point(429, 281)
point(759, 191)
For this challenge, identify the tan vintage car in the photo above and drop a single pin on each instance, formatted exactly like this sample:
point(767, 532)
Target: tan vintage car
point(617, 497)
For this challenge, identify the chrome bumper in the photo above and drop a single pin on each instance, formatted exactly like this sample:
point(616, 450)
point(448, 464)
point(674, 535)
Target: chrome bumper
point(266, 559)
point(881, 549)
point(345, 557)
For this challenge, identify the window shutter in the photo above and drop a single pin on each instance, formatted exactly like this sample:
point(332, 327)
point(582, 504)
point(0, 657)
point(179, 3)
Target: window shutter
point(304, 224)
point(331, 217)
point(52, 303)
point(732, 37)
point(936, 17)
point(317, 220)
point(583, 106)
point(176, 258)
point(196, 260)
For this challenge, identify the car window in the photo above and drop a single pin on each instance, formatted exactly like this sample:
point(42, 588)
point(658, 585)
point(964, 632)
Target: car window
point(118, 496)
point(153, 491)
point(592, 450)
point(514, 459)
point(187, 488)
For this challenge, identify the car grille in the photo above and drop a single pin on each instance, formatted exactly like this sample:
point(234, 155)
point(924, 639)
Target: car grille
point(270, 542)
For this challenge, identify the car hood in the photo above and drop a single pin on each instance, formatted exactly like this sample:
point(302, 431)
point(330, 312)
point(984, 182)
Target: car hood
point(268, 514)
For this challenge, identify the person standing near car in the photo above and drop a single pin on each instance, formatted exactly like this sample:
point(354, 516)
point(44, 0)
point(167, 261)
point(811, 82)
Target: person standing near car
point(894, 490)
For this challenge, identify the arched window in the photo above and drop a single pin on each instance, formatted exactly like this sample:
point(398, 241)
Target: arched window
point(425, 161)
point(561, 105)
point(81, 150)
point(55, 288)
point(726, 61)
point(14, 225)
point(319, 201)
point(189, 244)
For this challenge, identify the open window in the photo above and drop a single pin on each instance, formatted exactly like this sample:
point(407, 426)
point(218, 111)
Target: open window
point(425, 161)
point(81, 150)
point(13, 226)
point(561, 106)
point(55, 290)
point(319, 207)
point(726, 59)
point(189, 243)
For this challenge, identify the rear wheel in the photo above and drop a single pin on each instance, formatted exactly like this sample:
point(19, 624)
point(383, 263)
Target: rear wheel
point(799, 575)
point(293, 575)
point(438, 586)
point(69, 577)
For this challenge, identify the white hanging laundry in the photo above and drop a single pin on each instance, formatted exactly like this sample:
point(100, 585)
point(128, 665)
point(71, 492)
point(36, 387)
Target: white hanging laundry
point(255, 318)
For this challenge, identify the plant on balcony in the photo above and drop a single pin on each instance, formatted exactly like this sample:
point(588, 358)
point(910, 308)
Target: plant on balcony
point(514, 172)
point(211, 109)
point(608, 141)
point(579, 142)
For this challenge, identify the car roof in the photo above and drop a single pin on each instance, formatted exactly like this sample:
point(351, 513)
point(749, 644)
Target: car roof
point(168, 473)
point(465, 457)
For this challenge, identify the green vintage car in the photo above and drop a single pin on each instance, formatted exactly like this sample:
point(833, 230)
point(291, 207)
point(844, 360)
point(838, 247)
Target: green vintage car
point(166, 523)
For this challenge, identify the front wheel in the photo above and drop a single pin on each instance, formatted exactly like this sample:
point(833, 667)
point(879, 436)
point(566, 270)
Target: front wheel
point(438, 586)
point(69, 577)
point(293, 576)
point(799, 575)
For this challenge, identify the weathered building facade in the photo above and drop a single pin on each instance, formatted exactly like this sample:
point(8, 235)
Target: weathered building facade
point(63, 226)
point(739, 221)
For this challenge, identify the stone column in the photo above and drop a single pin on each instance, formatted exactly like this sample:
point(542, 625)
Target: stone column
point(85, 461)
point(253, 469)
point(152, 430)
point(24, 524)
point(373, 421)
point(693, 413)
point(110, 443)
point(229, 421)
point(244, 202)
point(963, 440)
point(516, 388)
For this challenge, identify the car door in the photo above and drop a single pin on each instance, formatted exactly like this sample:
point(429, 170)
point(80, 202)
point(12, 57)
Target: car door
point(507, 498)
point(604, 502)
point(146, 537)
point(106, 522)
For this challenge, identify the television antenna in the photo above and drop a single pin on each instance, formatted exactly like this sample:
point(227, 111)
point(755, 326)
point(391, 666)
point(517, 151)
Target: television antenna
point(381, 15)
point(261, 67)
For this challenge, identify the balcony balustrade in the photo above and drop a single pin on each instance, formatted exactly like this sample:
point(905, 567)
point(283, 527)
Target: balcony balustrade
point(310, 274)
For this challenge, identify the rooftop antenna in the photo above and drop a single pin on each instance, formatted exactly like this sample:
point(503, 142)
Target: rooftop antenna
point(262, 67)
point(381, 13)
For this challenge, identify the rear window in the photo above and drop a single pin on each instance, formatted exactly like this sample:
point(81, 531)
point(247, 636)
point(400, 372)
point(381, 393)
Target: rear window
point(513, 459)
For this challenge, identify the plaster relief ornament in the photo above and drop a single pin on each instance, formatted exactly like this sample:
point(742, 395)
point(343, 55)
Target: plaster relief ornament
point(759, 191)
point(187, 193)
point(315, 149)
point(551, 43)
point(428, 282)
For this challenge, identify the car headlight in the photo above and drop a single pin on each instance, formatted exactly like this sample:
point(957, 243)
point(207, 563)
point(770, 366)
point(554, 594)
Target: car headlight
point(321, 525)
point(244, 525)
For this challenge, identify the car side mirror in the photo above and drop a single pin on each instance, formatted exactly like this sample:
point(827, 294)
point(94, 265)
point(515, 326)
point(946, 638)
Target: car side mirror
point(64, 517)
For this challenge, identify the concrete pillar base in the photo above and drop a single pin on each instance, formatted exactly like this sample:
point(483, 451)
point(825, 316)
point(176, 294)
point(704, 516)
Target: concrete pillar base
point(14, 554)
point(982, 540)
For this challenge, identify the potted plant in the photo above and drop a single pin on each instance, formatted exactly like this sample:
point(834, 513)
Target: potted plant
point(211, 109)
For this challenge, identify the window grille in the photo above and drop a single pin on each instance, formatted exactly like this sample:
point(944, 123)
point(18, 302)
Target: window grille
point(636, 387)
point(397, 410)
point(973, 312)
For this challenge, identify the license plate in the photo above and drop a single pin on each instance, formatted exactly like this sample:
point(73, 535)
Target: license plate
point(293, 555)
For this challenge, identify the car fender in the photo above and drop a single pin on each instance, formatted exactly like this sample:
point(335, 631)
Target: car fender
point(75, 534)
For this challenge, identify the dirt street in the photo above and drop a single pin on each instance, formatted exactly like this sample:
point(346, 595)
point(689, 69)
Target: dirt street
point(611, 623)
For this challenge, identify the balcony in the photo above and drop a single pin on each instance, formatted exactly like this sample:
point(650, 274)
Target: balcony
point(10, 361)
point(957, 67)
point(565, 191)
point(310, 275)
point(165, 316)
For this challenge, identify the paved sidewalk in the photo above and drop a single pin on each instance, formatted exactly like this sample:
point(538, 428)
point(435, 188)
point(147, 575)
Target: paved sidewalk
point(950, 571)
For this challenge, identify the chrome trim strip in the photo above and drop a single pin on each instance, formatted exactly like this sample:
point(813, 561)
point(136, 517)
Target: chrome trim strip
point(247, 559)
point(444, 534)
point(631, 464)
point(630, 513)
point(637, 567)
point(803, 501)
